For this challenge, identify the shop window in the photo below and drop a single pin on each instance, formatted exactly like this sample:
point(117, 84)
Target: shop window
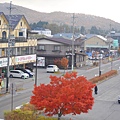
point(30, 50)
point(23, 51)
point(18, 51)
point(3, 52)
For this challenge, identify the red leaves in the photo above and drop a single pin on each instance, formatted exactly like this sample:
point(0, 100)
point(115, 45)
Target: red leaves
point(68, 94)
point(64, 62)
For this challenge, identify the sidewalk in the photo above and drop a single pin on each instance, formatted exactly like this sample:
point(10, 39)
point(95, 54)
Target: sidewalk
point(19, 85)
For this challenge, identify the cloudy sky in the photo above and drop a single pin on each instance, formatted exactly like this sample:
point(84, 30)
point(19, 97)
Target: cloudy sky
point(103, 8)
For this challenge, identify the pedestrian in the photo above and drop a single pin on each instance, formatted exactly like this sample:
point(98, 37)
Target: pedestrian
point(2, 84)
point(96, 89)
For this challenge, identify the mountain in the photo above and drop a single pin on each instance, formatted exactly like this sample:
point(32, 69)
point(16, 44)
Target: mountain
point(59, 18)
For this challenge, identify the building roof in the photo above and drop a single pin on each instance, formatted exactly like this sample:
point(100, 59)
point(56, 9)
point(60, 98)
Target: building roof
point(87, 36)
point(66, 35)
point(14, 19)
point(60, 40)
point(1, 13)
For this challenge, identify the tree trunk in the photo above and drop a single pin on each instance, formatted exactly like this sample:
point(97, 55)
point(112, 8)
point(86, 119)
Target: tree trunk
point(59, 115)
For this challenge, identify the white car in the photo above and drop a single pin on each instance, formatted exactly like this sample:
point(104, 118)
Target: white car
point(18, 74)
point(52, 68)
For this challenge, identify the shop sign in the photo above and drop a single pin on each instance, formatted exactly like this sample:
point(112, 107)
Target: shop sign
point(4, 62)
point(40, 62)
point(26, 58)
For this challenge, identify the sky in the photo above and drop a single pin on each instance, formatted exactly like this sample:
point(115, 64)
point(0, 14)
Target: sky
point(103, 8)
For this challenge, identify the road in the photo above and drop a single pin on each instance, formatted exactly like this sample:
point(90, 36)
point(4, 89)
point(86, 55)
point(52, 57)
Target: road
point(106, 97)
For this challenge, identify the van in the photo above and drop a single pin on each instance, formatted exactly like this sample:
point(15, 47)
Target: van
point(18, 74)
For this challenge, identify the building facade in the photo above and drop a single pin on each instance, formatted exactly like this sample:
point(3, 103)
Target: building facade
point(15, 42)
point(49, 49)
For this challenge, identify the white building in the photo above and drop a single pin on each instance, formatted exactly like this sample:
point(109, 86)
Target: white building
point(42, 31)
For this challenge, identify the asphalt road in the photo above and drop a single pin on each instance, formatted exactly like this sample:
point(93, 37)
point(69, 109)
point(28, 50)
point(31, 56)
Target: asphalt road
point(104, 108)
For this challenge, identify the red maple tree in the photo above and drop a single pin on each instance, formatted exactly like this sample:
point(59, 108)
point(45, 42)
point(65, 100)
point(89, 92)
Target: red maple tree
point(64, 63)
point(64, 95)
point(57, 62)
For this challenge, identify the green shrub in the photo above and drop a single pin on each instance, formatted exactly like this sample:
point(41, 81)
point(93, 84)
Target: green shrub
point(25, 115)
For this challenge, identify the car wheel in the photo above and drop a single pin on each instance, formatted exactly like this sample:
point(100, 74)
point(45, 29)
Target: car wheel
point(11, 76)
point(22, 77)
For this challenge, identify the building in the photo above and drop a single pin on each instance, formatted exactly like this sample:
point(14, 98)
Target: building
point(42, 31)
point(15, 43)
point(49, 49)
point(93, 43)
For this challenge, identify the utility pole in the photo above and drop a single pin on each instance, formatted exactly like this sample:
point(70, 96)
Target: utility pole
point(36, 68)
point(73, 43)
point(8, 51)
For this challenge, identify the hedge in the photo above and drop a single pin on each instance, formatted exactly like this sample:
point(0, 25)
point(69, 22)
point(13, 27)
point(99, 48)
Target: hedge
point(103, 76)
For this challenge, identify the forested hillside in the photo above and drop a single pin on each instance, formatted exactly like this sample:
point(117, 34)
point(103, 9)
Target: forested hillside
point(61, 18)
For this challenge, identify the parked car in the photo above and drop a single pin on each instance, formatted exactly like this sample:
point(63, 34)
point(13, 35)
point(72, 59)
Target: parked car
point(52, 68)
point(25, 71)
point(19, 74)
point(30, 72)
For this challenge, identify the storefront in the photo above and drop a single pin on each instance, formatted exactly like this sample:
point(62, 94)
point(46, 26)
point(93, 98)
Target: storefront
point(17, 61)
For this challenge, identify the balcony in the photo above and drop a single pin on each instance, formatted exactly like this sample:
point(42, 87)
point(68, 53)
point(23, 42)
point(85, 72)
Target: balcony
point(17, 39)
point(56, 51)
point(42, 50)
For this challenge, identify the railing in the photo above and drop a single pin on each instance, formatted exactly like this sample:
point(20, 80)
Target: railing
point(17, 39)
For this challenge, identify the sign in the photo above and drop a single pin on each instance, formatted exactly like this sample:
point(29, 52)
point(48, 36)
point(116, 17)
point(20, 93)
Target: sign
point(12, 88)
point(4, 62)
point(40, 62)
point(115, 43)
point(26, 58)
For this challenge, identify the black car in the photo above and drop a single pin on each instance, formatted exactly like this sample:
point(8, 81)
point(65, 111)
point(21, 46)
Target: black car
point(25, 71)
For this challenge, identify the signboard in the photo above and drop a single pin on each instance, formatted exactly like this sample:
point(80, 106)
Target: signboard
point(115, 43)
point(40, 62)
point(4, 62)
point(25, 59)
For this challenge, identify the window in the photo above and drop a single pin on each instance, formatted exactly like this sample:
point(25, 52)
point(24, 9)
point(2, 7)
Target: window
point(57, 47)
point(41, 47)
point(21, 24)
point(20, 33)
point(3, 35)
point(0, 22)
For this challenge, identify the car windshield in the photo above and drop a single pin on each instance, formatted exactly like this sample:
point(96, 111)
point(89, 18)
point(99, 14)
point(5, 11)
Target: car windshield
point(50, 66)
point(28, 70)
point(21, 72)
